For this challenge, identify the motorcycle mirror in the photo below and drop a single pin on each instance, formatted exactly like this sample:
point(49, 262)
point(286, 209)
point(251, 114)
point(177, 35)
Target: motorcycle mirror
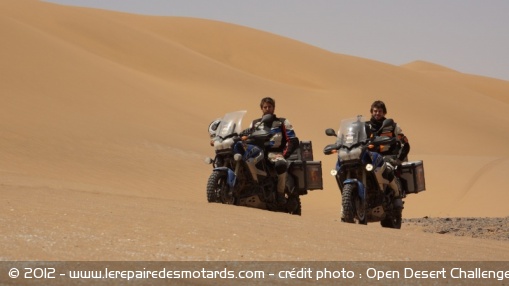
point(330, 132)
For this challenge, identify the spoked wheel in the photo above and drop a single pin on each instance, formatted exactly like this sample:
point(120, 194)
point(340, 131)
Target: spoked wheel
point(348, 204)
point(218, 189)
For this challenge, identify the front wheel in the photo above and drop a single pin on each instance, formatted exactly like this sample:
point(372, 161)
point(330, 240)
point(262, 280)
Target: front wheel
point(217, 188)
point(348, 212)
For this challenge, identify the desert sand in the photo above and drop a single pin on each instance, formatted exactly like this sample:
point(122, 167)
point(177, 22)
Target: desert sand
point(103, 135)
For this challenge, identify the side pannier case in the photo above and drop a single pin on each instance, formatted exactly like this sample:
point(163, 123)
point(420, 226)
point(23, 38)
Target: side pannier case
point(412, 177)
point(307, 174)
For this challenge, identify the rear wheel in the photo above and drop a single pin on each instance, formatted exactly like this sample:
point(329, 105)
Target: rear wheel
point(217, 186)
point(394, 217)
point(393, 220)
point(360, 208)
point(294, 206)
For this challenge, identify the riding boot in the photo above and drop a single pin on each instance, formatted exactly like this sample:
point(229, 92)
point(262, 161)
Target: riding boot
point(394, 185)
point(251, 164)
point(397, 200)
point(281, 184)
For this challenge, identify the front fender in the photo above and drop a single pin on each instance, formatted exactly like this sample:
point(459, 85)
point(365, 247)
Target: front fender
point(360, 187)
point(231, 178)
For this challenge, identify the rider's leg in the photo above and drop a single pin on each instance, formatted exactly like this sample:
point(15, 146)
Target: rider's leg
point(281, 167)
point(389, 175)
point(395, 185)
point(281, 184)
point(251, 163)
point(251, 155)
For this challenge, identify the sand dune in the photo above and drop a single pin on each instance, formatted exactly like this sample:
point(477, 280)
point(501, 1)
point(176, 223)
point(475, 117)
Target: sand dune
point(103, 135)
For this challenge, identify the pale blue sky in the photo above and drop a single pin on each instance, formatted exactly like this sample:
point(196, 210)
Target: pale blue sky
point(470, 36)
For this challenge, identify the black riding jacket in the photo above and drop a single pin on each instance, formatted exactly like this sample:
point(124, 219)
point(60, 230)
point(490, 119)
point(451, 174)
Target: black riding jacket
point(400, 148)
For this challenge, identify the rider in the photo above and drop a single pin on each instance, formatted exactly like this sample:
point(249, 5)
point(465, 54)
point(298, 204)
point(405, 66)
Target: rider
point(395, 153)
point(282, 142)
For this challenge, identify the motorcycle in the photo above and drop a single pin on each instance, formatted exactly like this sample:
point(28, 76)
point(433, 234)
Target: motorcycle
point(243, 176)
point(362, 175)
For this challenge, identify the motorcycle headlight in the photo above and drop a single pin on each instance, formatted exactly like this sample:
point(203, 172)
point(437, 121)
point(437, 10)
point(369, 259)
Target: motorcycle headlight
point(369, 167)
point(333, 172)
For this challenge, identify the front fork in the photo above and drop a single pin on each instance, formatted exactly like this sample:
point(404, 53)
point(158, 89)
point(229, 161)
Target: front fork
point(361, 189)
point(231, 177)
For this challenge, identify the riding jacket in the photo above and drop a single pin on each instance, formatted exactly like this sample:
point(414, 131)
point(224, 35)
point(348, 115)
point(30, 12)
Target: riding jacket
point(283, 139)
point(399, 149)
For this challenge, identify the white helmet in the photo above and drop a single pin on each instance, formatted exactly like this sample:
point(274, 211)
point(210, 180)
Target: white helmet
point(213, 127)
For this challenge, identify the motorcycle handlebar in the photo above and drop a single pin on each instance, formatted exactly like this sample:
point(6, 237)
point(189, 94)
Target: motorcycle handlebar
point(370, 143)
point(333, 148)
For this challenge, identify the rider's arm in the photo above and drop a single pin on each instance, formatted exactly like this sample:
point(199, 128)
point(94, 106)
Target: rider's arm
point(405, 145)
point(292, 142)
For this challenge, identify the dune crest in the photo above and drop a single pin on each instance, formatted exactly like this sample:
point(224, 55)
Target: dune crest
point(427, 66)
point(103, 132)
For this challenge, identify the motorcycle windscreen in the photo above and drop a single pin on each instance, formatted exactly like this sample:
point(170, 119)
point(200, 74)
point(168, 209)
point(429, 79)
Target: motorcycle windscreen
point(352, 131)
point(231, 123)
